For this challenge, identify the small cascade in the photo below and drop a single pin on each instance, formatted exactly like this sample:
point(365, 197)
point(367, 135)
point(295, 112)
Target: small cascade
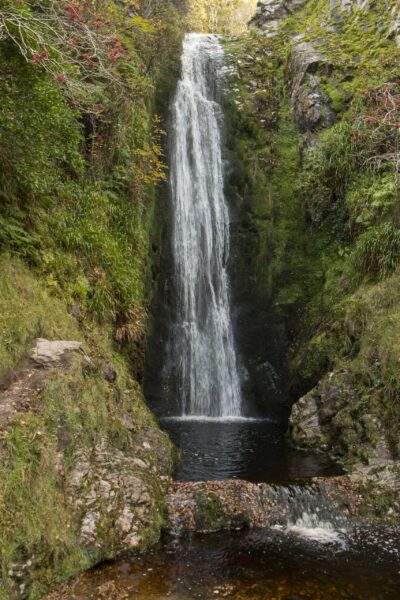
point(309, 513)
point(306, 511)
point(202, 350)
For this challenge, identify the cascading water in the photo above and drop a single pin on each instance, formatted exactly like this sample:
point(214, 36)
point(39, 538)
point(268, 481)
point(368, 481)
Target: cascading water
point(203, 350)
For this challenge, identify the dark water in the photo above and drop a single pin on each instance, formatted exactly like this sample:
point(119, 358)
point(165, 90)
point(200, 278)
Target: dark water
point(243, 449)
point(254, 565)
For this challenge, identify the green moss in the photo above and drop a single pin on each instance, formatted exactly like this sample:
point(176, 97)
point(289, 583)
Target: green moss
point(209, 512)
point(77, 408)
point(320, 231)
point(336, 95)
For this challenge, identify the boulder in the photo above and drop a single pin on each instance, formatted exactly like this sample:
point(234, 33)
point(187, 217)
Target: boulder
point(331, 417)
point(304, 421)
point(47, 352)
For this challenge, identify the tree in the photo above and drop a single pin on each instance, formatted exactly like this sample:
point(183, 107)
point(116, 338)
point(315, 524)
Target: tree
point(220, 16)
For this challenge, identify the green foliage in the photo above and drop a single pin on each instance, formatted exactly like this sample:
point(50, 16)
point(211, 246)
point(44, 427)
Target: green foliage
point(328, 168)
point(377, 251)
point(321, 231)
point(76, 187)
point(37, 518)
point(371, 198)
point(27, 310)
point(80, 164)
point(280, 258)
point(40, 135)
point(354, 40)
point(76, 409)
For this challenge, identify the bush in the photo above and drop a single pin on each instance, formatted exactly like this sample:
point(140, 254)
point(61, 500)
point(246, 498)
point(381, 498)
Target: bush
point(328, 168)
point(377, 251)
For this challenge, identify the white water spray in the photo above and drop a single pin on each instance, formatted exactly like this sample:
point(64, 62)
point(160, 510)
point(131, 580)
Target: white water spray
point(203, 347)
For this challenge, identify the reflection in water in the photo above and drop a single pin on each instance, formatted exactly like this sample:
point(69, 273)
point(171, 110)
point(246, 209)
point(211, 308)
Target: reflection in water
point(263, 565)
point(255, 450)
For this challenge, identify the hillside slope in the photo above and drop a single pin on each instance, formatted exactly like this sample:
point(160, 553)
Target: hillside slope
point(83, 464)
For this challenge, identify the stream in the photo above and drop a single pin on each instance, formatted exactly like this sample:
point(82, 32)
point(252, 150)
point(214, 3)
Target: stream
point(259, 565)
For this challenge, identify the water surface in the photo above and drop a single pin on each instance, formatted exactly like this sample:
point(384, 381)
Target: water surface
point(250, 449)
point(262, 565)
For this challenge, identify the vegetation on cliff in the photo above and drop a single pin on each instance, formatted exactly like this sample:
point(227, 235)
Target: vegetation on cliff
point(81, 157)
point(320, 218)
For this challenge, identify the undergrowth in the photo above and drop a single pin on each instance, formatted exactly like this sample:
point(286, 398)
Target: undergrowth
point(322, 219)
point(81, 158)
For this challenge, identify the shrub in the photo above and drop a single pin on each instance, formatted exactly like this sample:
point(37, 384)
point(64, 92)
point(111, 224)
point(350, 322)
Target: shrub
point(377, 251)
point(328, 168)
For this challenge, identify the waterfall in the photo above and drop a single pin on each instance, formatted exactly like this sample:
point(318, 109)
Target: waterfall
point(203, 351)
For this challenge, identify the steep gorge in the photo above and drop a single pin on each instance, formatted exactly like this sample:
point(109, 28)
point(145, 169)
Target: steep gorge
point(312, 186)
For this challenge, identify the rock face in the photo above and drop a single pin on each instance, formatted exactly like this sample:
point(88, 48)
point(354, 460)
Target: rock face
point(310, 106)
point(347, 6)
point(304, 420)
point(270, 14)
point(329, 418)
point(116, 495)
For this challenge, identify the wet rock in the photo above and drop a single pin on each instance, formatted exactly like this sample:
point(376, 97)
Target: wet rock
point(304, 421)
point(331, 417)
point(234, 504)
point(214, 506)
